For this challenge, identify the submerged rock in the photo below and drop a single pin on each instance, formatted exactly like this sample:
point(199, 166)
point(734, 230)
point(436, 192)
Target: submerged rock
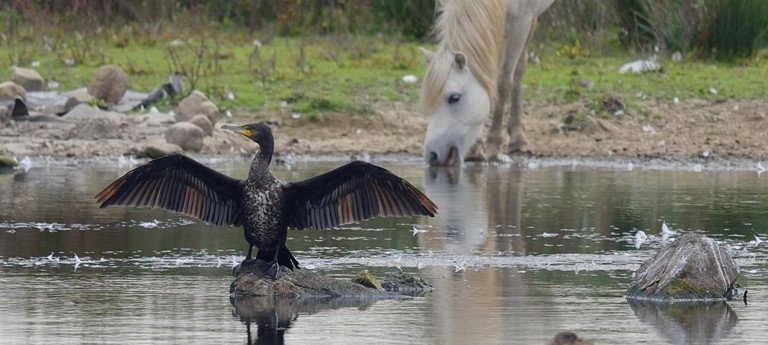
point(249, 281)
point(568, 338)
point(692, 268)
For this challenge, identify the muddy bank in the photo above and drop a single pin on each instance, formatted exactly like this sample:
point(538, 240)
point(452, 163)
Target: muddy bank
point(693, 134)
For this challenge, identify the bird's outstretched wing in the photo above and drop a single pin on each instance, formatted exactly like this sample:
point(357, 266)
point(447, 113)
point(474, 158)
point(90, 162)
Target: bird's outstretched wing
point(351, 193)
point(178, 183)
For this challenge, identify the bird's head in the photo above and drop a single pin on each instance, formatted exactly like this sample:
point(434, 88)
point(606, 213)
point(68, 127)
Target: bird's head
point(258, 132)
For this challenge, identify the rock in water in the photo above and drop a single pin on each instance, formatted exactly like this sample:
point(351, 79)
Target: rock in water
point(249, 281)
point(692, 268)
point(109, 84)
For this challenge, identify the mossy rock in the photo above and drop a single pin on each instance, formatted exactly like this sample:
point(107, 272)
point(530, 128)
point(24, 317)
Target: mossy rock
point(367, 279)
point(249, 281)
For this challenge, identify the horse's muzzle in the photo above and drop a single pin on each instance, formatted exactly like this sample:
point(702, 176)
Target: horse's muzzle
point(453, 158)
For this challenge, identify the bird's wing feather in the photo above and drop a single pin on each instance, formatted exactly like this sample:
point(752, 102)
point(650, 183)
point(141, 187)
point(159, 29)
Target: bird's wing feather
point(178, 183)
point(351, 193)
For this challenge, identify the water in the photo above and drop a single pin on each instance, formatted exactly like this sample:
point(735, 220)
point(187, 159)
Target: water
point(515, 256)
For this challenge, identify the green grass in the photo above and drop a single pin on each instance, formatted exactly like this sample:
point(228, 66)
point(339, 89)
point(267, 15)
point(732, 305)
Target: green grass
point(356, 75)
point(553, 79)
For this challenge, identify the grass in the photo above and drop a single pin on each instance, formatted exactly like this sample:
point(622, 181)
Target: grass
point(358, 74)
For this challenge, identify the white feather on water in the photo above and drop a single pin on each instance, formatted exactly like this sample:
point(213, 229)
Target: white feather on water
point(640, 238)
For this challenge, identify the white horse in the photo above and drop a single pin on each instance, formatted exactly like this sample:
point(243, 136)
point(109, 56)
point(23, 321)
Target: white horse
point(480, 59)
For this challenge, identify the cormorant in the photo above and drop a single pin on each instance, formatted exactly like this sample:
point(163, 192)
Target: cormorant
point(20, 112)
point(264, 205)
point(173, 87)
point(19, 109)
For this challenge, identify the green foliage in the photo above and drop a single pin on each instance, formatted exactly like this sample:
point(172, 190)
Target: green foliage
point(724, 29)
point(737, 28)
point(411, 18)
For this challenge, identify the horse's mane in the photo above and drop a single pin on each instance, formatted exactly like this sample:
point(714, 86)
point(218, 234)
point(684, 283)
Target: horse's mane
point(474, 28)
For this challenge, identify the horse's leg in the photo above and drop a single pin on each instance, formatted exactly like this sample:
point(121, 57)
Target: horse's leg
point(515, 37)
point(515, 128)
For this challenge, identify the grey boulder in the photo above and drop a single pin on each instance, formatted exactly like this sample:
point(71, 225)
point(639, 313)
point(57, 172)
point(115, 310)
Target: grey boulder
point(185, 134)
point(692, 268)
point(109, 84)
point(28, 78)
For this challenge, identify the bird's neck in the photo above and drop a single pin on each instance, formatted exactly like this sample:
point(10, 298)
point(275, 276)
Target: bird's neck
point(264, 154)
point(260, 164)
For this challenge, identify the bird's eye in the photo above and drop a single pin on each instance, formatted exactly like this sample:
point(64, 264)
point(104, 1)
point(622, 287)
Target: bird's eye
point(453, 98)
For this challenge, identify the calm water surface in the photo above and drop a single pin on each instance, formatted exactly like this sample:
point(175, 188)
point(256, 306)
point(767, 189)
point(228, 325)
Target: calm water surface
point(515, 256)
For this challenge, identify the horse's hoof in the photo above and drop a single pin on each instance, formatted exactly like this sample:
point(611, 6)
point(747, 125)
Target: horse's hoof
point(517, 146)
point(500, 158)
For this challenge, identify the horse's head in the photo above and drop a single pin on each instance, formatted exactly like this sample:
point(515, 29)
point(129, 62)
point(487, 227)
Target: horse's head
point(456, 104)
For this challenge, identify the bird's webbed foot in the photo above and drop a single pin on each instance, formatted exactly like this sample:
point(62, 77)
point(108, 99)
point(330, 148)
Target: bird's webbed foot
point(246, 263)
point(269, 269)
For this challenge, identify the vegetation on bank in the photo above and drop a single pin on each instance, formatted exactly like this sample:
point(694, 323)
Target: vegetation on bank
point(327, 66)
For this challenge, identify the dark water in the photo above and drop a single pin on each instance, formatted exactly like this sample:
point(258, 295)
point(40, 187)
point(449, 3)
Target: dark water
point(515, 256)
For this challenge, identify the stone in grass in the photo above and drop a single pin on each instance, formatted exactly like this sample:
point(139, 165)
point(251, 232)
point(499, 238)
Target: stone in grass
point(692, 268)
point(249, 281)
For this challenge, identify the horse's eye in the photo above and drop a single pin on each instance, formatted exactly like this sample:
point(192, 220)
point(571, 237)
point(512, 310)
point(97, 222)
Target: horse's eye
point(453, 98)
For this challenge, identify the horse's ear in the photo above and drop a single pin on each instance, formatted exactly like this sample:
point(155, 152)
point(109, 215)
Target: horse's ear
point(461, 60)
point(428, 55)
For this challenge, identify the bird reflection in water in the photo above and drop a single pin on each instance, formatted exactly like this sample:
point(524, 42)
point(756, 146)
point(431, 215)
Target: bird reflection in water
point(273, 316)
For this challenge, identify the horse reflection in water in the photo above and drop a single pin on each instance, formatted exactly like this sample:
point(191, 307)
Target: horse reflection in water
point(481, 210)
point(480, 60)
point(480, 213)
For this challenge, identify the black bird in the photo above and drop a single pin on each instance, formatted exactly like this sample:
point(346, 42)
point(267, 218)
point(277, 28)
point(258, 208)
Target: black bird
point(20, 112)
point(265, 206)
point(173, 87)
point(19, 109)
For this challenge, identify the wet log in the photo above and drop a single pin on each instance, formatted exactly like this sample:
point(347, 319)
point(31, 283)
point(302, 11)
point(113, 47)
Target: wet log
point(692, 268)
point(249, 281)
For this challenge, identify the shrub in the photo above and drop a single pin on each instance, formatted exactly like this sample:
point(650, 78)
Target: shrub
point(724, 29)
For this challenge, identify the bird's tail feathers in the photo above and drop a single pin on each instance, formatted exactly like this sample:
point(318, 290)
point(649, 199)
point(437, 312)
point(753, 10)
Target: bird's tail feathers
point(285, 258)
